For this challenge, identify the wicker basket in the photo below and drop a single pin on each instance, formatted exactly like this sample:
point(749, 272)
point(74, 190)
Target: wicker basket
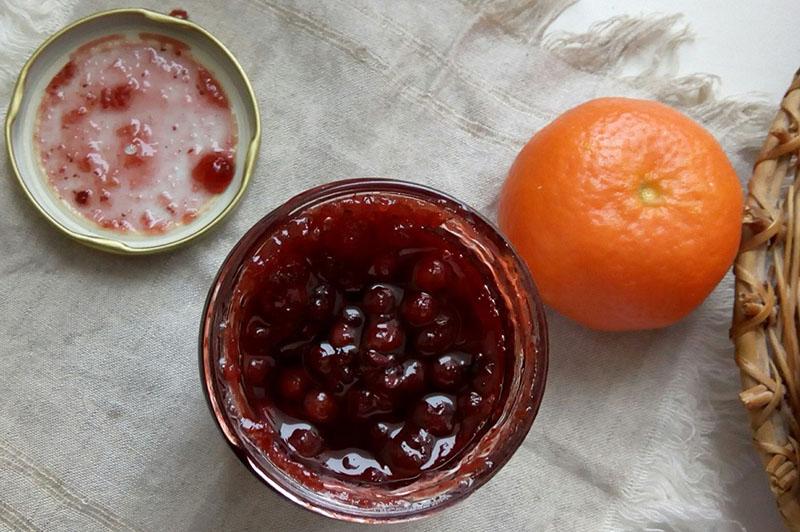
point(766, 317)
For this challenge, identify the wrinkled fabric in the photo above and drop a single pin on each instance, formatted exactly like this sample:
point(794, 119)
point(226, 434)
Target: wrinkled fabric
point(103, 423)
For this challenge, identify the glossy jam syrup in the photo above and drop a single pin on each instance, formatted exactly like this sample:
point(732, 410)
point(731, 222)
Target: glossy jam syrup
point(369, 338)
point(135, 134)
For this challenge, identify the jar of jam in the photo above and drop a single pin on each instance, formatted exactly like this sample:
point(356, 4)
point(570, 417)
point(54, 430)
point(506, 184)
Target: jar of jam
point(373, 350)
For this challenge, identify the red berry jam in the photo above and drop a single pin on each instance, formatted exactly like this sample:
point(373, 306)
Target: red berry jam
point(135, 134)
point(179, 13)
point(368, 335)
point(374, 350)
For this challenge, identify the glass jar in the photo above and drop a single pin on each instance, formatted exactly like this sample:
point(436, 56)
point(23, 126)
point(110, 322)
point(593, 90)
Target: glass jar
point(257, 444)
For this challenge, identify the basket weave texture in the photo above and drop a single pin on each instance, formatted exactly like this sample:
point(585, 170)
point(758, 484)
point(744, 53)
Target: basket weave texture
point(766, 317)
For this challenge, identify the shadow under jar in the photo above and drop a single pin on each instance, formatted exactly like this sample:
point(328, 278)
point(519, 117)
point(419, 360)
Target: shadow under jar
point(373, 350)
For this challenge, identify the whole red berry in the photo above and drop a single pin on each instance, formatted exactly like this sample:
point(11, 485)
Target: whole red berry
point(384, 335)
point(431, 274)
point(214, 172)
point(435, 413)
point(407, 378)
point(449, 371)
point(256, 369)
point(306, 442)
point(440, 335)
point(419, 309)
point(408, 452)
point(381, 432)
point(352, 315)
point(340, 378)
point(343, 334)
point(370, 358)
point(319, 360)
point(413, 376)
point(293, 383)
point(259, 336)
point(379, 300)
point(323, 301)
point(320, 407)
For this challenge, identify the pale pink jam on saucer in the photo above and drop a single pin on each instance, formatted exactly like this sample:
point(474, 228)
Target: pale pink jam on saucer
point(135, 134)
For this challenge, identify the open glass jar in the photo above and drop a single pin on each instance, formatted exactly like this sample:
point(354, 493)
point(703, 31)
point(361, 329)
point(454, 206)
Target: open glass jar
point(373, 350)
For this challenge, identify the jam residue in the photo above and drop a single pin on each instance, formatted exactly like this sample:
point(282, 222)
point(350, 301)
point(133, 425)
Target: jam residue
point(369, 338)
point(135, 134)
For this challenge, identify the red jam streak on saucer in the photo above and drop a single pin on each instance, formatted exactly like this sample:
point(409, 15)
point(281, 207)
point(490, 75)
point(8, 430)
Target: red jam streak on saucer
point(369, 338)
point(179, 13)
point(135, 134)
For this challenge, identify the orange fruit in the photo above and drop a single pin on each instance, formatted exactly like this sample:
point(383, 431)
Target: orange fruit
point(627, 212)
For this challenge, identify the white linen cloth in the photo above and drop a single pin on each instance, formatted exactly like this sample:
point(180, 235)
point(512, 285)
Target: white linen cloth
point(103, 424)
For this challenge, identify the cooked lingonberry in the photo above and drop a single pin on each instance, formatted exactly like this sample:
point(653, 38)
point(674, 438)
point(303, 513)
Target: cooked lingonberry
point(320, 406)
point(449, 371)
point(343, 334)
point(384, 335)
point(258, 335)
point(419, 309)
point(293, 383)
point(255, 369)
point(439, 336)
point(405, 378)
point(214, 171)
point(408, 377)
point(346, 355)
point(435, 413)
point(380, 299)
point(376, 476)
point(320, 359)
point(431, 274)
point(340, 379)
point(352, 315)
point(391, 355)
point(179, 13)
point(322, 303)
point(409, 451)
point(382, 379)
point(306, 442)
point(363, 404)
point(381, 432)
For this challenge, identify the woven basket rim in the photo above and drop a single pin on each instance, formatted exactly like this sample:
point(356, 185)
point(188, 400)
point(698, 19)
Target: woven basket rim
point(766, 315)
